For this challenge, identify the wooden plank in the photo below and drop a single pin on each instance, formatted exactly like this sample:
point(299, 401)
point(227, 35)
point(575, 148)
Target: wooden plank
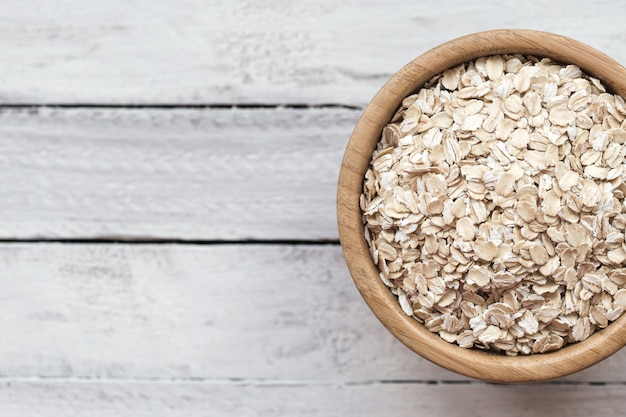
point(232, 311)
point(208, 399)
point(208, 174)
point(312, 51)
point(250, 312)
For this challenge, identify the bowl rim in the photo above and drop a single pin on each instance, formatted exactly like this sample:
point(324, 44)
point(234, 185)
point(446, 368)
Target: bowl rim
point(473, 363)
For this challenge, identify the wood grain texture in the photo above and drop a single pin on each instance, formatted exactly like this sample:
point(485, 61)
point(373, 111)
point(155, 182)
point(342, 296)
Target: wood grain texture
point(474, 363)
point(232, 329)
point(195, 51)
point(213, 399)
point(204, 174)
point(245, 312)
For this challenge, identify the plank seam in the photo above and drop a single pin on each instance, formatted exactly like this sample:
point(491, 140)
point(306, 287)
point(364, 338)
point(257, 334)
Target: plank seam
point(157, 241)
point(279, 382)
point(157, 106)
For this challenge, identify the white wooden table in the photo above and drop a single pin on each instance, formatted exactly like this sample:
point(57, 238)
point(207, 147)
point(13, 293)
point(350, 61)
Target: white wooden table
point(167, 220)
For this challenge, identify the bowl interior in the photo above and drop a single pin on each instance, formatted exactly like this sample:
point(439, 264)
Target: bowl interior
point(470, 362)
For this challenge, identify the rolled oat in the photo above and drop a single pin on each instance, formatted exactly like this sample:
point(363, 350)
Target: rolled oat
point(494, 204)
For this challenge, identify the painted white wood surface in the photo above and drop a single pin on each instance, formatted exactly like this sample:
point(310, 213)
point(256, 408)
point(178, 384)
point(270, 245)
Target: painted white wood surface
point(205, 174)
point(211, 399)
point(208, 312)
point(221, 329)
point(261, 51)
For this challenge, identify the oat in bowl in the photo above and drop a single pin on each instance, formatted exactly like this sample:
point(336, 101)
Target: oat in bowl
point(488, 178)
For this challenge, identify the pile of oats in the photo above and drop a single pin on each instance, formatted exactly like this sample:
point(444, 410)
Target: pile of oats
point(494, 205)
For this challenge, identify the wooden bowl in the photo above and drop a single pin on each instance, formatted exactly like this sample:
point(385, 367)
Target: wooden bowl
point(489, 366)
